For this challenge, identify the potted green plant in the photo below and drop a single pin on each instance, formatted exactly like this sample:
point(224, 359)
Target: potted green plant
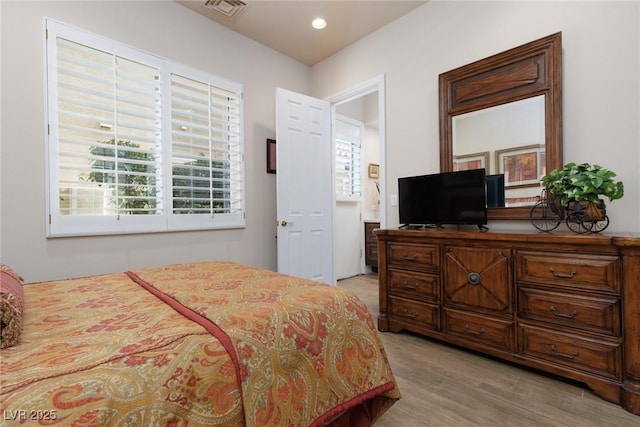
point(580, 186)
point(582, 182)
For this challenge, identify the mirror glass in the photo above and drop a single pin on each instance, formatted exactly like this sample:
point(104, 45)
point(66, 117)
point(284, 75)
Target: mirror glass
point(506, 139)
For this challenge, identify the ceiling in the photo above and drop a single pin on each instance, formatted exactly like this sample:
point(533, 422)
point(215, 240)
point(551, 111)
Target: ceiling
point(285, 25)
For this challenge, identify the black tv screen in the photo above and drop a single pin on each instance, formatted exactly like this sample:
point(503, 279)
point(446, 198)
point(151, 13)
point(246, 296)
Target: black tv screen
point(443, 198)
point(495, 191)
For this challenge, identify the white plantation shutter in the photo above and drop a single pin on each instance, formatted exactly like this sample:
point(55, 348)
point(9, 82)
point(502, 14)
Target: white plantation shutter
point(138, 136)
point(97, 108)
point(348, 166)
point(115, 116)
point(348, 159)
point(206, 156)
point(85, 89)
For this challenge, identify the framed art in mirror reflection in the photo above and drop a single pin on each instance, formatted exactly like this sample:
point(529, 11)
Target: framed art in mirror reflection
point(522, 166)
point(471, 161)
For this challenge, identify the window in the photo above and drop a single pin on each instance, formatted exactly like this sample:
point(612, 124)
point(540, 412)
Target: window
point(348, 162)
point(138, 143)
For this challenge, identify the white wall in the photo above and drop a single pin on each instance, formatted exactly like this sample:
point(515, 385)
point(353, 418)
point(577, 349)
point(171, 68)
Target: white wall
point(160, 27)
point(601, 92)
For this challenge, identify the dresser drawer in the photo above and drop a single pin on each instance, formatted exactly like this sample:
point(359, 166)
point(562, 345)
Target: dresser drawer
point(414, 285)
point(580, 312)
point(592, 355)
point(480, 329)
point(593, 272)
point(407, 255)
point(423, 314)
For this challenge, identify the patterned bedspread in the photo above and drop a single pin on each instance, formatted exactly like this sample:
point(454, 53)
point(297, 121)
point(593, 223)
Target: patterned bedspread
point(194, 344)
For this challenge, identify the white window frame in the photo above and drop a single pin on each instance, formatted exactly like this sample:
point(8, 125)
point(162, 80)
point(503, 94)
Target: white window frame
point(59, 225)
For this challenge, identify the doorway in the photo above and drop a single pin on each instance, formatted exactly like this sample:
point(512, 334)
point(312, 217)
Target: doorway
point(364, 103)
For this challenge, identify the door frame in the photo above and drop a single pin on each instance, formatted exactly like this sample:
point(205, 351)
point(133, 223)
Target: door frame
point(364, 88)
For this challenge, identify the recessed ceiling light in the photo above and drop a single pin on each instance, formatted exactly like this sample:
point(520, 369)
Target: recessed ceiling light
point(319, 23)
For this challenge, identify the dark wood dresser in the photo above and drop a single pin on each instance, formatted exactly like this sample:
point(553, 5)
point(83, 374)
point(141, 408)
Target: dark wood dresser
point(563, 303)
point(371, 245)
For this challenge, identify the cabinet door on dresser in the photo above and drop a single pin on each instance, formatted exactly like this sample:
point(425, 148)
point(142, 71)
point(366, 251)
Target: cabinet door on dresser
point(478, 279)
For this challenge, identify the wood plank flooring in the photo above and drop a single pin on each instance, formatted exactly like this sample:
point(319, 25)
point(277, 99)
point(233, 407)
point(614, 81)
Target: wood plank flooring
point(445, 386)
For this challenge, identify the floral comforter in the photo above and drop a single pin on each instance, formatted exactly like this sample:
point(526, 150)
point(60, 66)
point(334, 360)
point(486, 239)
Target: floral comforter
point(195, 344)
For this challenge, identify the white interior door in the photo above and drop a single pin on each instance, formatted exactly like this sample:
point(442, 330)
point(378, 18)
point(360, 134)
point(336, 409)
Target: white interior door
point(304, 186)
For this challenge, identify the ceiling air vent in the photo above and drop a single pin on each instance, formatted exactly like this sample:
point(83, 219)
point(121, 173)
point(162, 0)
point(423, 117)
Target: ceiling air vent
point(229, 8)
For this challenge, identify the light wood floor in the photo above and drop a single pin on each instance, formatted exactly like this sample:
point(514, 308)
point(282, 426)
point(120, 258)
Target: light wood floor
point(445, 386)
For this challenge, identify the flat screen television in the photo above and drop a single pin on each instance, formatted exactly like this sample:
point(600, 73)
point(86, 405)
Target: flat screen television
point(443, 198)
point(495, 190)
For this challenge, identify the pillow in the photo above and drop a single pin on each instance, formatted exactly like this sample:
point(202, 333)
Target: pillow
point(11, 306)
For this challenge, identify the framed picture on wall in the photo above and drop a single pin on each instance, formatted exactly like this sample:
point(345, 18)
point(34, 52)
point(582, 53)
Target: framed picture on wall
point(471, 161)
point(271, 155)
point(374, 170)
point(522, 166)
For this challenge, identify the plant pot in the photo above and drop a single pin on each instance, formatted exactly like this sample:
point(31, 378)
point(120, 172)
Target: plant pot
point(585, 210)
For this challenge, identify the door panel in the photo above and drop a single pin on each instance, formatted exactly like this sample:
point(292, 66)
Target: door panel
point(304, 186)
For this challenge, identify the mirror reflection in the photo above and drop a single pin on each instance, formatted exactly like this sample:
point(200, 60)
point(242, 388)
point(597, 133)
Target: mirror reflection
point(506, 139)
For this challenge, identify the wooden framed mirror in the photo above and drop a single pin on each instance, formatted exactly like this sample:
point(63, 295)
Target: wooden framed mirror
point(504, 113)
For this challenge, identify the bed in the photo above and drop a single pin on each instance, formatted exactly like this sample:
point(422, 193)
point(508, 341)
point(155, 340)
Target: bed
point(212, 343)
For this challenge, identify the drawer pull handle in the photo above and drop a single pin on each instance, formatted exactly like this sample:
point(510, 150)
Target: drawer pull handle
point(563, 275)
point(408, 285)
point(468, 330)
point(410, 315)
point(408, 258)
point(571, 315)
point(565, 355)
